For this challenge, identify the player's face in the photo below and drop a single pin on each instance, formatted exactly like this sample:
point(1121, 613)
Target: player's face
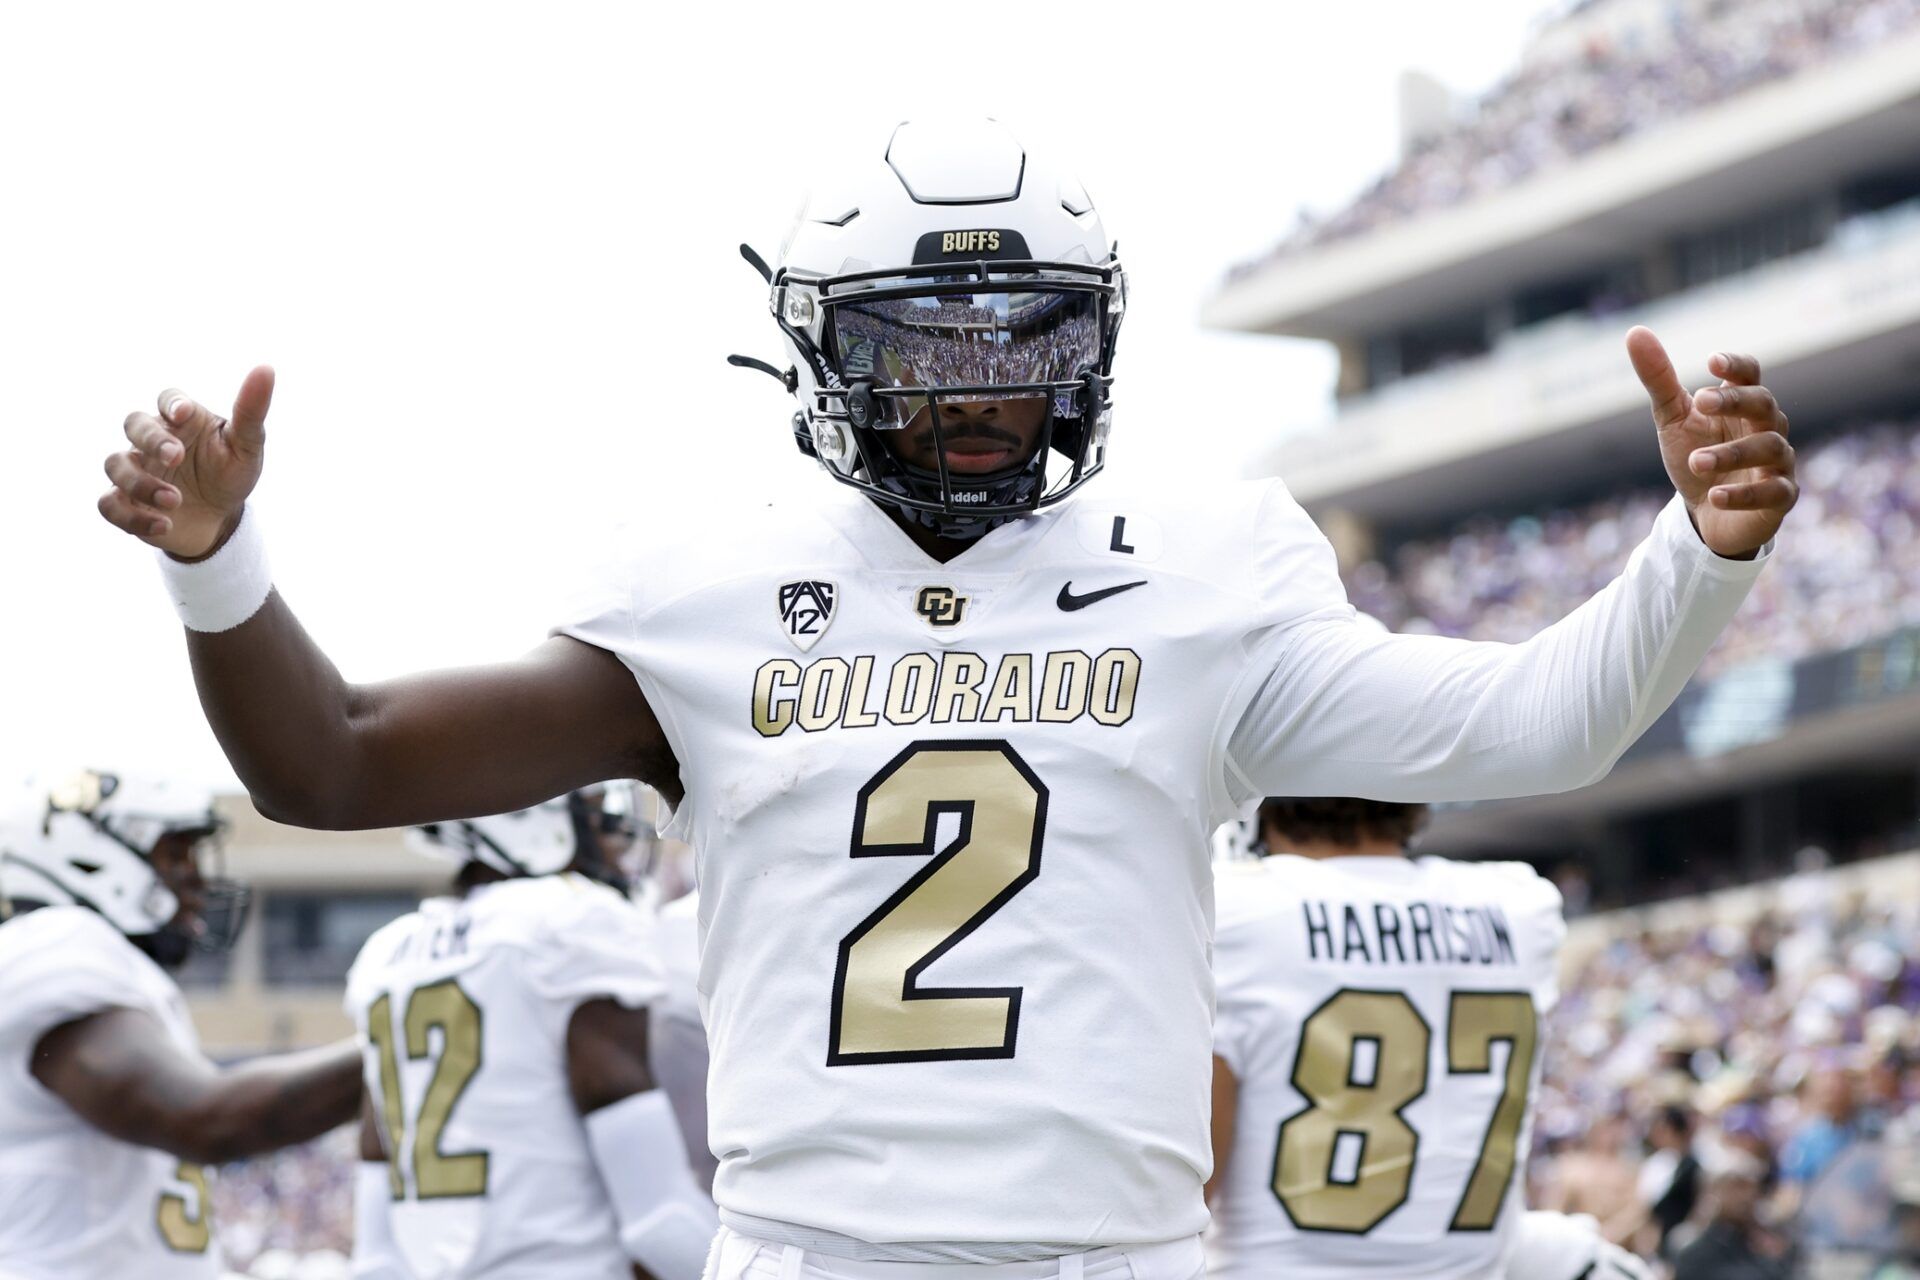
point(981, 436)
point(176, 860)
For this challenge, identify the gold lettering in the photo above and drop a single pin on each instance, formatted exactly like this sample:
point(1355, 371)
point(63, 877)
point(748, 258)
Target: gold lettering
point(1116, 678)
point(1063, 686)
point(949, 688)
point(969, 241)
point(775, 688)
point(823, 693)
point(1012, 690)
point(858, 717)
point(958, 694)
point(910, 688)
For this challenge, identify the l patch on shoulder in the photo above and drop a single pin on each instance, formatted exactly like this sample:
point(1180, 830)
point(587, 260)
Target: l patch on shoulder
point(1119, 534)
point(806, 609)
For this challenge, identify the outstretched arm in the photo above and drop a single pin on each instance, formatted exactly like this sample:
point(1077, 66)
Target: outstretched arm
point(317, 751)
point(1344, 710)
point(123, 1074)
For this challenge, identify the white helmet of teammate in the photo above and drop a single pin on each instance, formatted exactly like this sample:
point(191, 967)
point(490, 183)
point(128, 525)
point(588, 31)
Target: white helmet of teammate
point(953, 264)
point(1239, 840)
point(87, 840)
point(580, 830)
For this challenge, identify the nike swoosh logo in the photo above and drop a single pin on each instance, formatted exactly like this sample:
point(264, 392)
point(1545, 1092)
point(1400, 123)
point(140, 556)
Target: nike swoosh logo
point(1069, 601)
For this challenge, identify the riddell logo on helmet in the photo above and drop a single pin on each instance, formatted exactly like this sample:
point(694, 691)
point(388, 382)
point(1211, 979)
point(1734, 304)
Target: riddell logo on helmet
point(970, 242)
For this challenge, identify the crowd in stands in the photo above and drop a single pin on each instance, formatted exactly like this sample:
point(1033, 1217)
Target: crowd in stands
point(1849, 573)
point(290, 1216)
point(1614, 86)
point(1735, 1092)
point(907, 343)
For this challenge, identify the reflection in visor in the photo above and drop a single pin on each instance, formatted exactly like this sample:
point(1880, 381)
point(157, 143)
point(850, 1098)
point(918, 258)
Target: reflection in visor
point(980, 339)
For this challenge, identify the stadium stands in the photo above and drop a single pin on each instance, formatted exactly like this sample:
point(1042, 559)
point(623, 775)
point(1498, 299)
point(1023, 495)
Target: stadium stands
point(1784, 1017)
point(297, 1203)
point(1487, 467)
point(1608, 86)
point(1849, 572)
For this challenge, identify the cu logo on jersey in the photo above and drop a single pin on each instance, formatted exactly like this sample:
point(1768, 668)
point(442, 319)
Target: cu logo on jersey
point(805, 610)
point(940, 606)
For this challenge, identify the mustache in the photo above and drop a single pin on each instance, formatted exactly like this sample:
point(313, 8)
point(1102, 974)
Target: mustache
point(955, 433)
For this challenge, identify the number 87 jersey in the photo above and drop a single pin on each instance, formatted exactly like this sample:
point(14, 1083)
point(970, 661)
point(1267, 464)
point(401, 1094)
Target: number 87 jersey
point(1382, 1018)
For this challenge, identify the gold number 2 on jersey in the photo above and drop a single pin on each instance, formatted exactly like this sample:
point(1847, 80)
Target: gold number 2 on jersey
point(1365, 1106)
point(999, 811)
point(446, 1008)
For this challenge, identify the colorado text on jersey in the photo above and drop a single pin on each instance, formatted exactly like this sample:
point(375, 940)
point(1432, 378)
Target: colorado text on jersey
point(948, 688)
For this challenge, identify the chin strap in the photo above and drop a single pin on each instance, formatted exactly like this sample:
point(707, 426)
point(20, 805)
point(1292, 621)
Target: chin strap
point(168, 946)
point(757, 262)
point(790, 379)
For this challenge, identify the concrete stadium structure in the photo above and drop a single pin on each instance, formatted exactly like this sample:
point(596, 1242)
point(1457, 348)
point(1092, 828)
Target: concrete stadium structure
point(1481, 373)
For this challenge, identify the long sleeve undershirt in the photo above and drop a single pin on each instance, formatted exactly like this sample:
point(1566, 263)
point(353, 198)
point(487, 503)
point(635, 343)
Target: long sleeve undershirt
point(1347, 710)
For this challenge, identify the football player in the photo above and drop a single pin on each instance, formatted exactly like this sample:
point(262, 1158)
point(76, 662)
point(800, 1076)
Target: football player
point(677, 1036)
point(513, 1127)
point(109, 1112)
point(1376, 1048)
point(950, 740)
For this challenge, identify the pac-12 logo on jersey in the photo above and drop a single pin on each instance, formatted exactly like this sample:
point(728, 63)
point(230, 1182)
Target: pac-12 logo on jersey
point(805, 610)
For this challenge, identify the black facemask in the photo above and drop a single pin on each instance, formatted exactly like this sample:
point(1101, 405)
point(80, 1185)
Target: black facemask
point(221, 918)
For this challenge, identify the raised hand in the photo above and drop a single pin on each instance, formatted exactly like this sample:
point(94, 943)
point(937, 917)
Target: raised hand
point(182, 484)
point(1725, 447)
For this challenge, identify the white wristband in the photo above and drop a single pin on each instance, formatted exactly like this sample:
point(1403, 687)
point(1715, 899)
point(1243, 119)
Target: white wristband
point(375, 1254)
point(228, 587)
point(667, 1223)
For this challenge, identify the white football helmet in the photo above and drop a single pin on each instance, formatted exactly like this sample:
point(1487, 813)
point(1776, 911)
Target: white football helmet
point(1564, 1246)
point(1239, 840)
point(87, 840)
point(580, 831)
point(955, 265)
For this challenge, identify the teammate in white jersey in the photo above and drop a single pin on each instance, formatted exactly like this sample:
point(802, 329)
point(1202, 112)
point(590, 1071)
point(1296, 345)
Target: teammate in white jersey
point(1376, 1048)
point(513, 1129)
point(677, 1035)
point(949, 745)
point(108, 1109)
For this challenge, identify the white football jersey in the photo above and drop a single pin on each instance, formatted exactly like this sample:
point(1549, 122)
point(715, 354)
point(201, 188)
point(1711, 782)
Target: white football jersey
point(677, 1036)
point(952, 825)
point(79, 1205)
point(1383, 1017)
point(462, 1010)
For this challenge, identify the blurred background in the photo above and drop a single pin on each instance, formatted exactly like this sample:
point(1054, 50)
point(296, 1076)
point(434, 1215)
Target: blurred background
point(1386, 250)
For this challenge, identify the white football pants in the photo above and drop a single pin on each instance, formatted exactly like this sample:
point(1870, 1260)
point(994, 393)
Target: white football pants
point(739, 1257)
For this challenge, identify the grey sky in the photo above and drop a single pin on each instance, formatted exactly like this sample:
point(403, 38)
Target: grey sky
point(490, 250)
